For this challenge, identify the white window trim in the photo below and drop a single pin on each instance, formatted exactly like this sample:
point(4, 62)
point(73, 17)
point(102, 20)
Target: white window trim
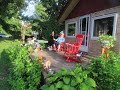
point(82, 17)
point(115, 15)
point(67, 28)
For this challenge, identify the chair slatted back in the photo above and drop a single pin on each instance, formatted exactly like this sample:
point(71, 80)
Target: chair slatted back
point(79, 39)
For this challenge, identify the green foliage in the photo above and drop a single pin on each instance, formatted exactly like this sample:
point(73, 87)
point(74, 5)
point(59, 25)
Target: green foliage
point(40, 11)
point(1, 29)
point(73, 79)
point(4, 62)
point(43, 45)
point(53, 7)
point(8, 10)
point(106, 40)
point(11, 7)
point(48, 12)
point(28, 32)
point(106, 72)
point(24, 73)
point(14, 26)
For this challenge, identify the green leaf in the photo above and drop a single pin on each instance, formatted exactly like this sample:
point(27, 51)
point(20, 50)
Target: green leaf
point(64, 71)
point(66, 80)
point(73, 82)
point(52, 87)
point(79, 80)
point(44, 87)
point(90, 82)
point(77, 70)
point(83, 86)
point(91, 88)
point(66, 87)
point(72, 88)
point(59, 84)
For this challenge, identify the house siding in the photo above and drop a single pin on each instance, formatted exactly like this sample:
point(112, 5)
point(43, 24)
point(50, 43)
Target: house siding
point(90, 6)
point(94, 47)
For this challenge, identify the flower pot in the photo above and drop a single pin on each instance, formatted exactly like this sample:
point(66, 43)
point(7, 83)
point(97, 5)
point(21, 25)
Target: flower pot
point(104, 51)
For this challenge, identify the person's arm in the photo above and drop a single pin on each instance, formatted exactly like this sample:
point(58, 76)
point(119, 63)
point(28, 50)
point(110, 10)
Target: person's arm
point(62, 39)
point(57, 39)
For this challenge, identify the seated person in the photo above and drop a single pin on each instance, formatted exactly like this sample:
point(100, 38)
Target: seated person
point(51, 41)
point(58, 41)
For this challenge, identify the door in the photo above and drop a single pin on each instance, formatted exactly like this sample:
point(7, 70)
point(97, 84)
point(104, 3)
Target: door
point(84, 29)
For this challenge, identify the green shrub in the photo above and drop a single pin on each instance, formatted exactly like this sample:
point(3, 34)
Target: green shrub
point(73, 79)
point(43, 45)
point(25, 73)
point(106, 71)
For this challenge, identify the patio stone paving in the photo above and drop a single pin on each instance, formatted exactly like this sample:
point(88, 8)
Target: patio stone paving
point(57, 59)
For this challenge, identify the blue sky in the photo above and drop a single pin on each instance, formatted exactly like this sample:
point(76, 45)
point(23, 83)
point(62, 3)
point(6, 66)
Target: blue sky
point(30, 8)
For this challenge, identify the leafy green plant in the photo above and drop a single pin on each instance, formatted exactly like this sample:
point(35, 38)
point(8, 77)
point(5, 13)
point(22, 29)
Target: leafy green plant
point(106, 40)
point(43, 45)
point(73, 79)
point(106, 73)
point(30, 49)
point(25, 73)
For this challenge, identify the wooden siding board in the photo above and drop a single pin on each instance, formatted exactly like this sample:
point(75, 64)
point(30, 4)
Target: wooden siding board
point(90, 6)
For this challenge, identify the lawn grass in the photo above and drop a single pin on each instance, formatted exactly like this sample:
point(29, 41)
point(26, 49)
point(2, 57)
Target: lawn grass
point(4, 44)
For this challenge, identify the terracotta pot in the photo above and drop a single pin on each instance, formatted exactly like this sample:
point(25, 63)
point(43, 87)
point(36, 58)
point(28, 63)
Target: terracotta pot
point(104, 51)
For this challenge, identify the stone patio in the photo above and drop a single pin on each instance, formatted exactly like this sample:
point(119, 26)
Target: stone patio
point(58, 60)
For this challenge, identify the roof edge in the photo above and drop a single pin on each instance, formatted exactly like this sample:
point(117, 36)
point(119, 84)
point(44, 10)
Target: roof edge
point(68, 9)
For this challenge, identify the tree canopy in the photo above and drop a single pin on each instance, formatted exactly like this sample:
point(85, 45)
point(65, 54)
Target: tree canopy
point(48, 12)
point(54, 6)
point(8, 8)
point(9, 14)
point(44, 21)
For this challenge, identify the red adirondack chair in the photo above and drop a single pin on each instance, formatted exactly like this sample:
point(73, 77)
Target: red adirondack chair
point(73, 49)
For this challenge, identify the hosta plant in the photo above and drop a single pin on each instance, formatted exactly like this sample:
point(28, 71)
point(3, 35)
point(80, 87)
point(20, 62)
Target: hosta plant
point(73, 79)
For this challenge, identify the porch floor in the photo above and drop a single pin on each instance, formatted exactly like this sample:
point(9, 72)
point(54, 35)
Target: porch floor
point(58, 61)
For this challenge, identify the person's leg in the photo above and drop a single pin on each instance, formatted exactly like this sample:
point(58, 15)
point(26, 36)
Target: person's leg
point(54, 45)
point(58, 47)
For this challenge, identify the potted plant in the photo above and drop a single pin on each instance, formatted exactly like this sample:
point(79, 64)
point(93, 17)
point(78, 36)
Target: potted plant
point(107, 42)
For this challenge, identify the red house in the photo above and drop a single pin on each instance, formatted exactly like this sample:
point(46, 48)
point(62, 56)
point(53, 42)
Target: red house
point(91, 18)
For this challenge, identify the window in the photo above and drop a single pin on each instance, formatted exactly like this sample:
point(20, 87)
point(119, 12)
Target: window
point(71, 29)
point(104, 25)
